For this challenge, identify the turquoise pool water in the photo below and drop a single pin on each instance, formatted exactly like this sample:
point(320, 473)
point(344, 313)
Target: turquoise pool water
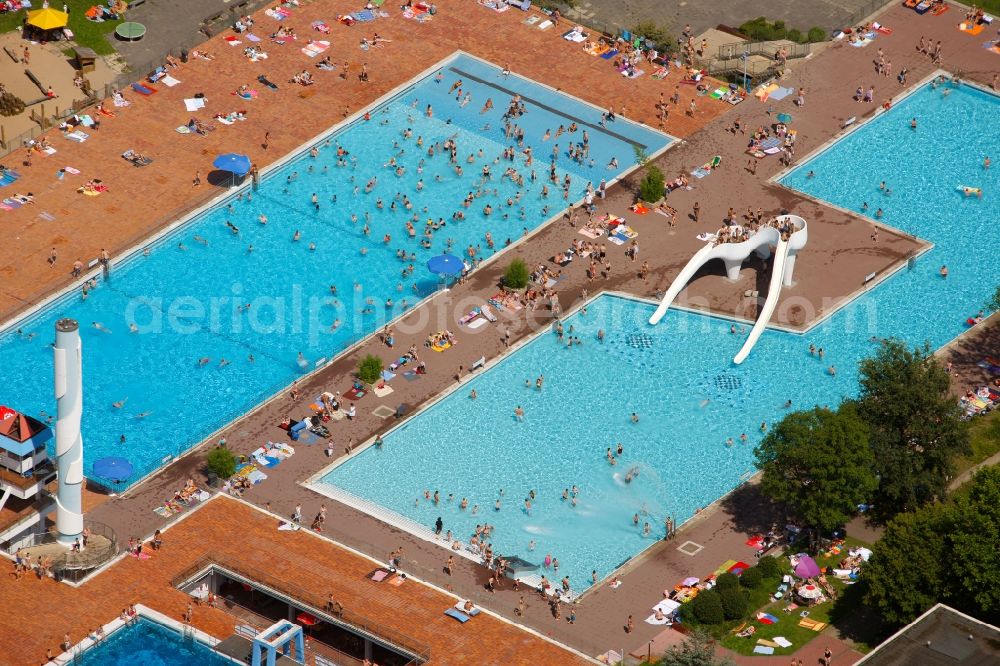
point(150, 644)
point(187, 297)
point(678, 376)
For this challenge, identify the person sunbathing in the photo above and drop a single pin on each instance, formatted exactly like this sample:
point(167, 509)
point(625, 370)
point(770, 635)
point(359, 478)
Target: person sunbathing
point(202, 55)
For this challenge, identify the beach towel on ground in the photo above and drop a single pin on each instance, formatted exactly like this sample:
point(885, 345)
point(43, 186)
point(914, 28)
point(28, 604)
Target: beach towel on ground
point(194, 103)
point(169, 81)
point(143, 90)
point(763, 649)
point(782, 641)
point(364, 16)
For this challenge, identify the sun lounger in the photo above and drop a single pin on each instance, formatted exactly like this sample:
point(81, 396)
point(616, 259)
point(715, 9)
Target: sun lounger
point(458, 615)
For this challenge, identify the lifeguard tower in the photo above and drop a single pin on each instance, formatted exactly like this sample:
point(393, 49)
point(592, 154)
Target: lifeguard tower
point(25, 470)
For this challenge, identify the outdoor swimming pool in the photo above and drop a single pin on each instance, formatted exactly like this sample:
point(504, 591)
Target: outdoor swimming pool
point(150, 644)
point(678, 376)
point(187, 296)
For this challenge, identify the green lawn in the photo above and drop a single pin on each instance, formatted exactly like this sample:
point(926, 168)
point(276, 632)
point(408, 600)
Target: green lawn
point(87, 33)
point(984, 436)
point(787, 625)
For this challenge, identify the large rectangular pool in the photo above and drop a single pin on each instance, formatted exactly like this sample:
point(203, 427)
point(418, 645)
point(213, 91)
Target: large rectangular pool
point(699, 416)
point(228, 309)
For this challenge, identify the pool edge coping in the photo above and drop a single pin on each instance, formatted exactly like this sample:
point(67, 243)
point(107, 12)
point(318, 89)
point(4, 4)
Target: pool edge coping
point(84, 646)
point(393, 518)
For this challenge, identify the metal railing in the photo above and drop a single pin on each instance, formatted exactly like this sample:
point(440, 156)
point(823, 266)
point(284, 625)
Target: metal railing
point(71, 565)
point(319, 651)
point(763, 48)
point(310, 601)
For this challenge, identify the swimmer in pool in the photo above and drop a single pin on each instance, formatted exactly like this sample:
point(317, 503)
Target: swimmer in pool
point(119, 404)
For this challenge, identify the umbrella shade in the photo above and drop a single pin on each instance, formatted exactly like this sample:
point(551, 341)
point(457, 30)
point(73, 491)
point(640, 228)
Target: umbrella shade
point(806, 567)
point(234, 163)
point(810, 592)
point(445, 264)
point(784, 118)
point(48, 19)
point(113, 468)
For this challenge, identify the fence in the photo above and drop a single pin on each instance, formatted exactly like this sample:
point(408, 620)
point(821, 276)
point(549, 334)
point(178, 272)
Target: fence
point(68, 565)
point(866, 10)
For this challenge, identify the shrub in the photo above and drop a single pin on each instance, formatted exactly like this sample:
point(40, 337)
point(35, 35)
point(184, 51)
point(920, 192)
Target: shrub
point(816, 34)
point(651, 187)
point(370, 369)
point(221, 462)
point(10, 104)
point(660, 36)
point(727, 581)
point(795, 35)
point(751, 578)
point(734, 603)
point(778, 30)
point(768, 566)
point(516, 276)
point(707, 607)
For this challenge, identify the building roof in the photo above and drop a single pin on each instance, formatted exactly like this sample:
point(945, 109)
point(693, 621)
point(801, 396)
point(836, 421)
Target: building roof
point(21, 433)
point(940, 637)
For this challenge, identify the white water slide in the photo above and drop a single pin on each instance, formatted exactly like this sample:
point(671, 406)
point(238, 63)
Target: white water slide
point(733, 255)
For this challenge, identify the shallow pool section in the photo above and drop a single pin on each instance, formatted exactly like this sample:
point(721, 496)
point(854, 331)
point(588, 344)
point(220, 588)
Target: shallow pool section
point(150, 644)
point(678, 377)
point(224, 307)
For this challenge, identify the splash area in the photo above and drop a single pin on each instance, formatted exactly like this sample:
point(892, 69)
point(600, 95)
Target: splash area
point(269, 284)
point(699, 416)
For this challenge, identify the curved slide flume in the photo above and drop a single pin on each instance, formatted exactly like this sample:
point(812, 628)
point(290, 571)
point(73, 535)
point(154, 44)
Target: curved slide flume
point(733, 255)
point(773, 293)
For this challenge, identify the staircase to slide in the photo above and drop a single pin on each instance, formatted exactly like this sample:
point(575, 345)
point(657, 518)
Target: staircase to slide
point(733, 255)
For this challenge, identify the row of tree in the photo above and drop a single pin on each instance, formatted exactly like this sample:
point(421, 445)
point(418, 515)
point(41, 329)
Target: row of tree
point(892, 448)
point(948, 552)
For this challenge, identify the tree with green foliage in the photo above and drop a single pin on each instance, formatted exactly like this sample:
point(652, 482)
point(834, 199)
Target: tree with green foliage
point(905, 574)
point(660, 36)
point(915, 424)
point(818, 463)
point(516, 276)
point(697, 649)
point(993, 305)
point(652, 186)
point(707, 607)
point(816, 34)
point(768, 566)
point(727, 581)
point(942, 552)
point(370, 369)
point(974, 546)
point(734, 603)
point(221, 462)
point(752, 578)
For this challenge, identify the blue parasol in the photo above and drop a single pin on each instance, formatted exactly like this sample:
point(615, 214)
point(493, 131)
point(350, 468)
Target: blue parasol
point(784, 118)
point(234, 163)
point(445, 264)
point(113, 468)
